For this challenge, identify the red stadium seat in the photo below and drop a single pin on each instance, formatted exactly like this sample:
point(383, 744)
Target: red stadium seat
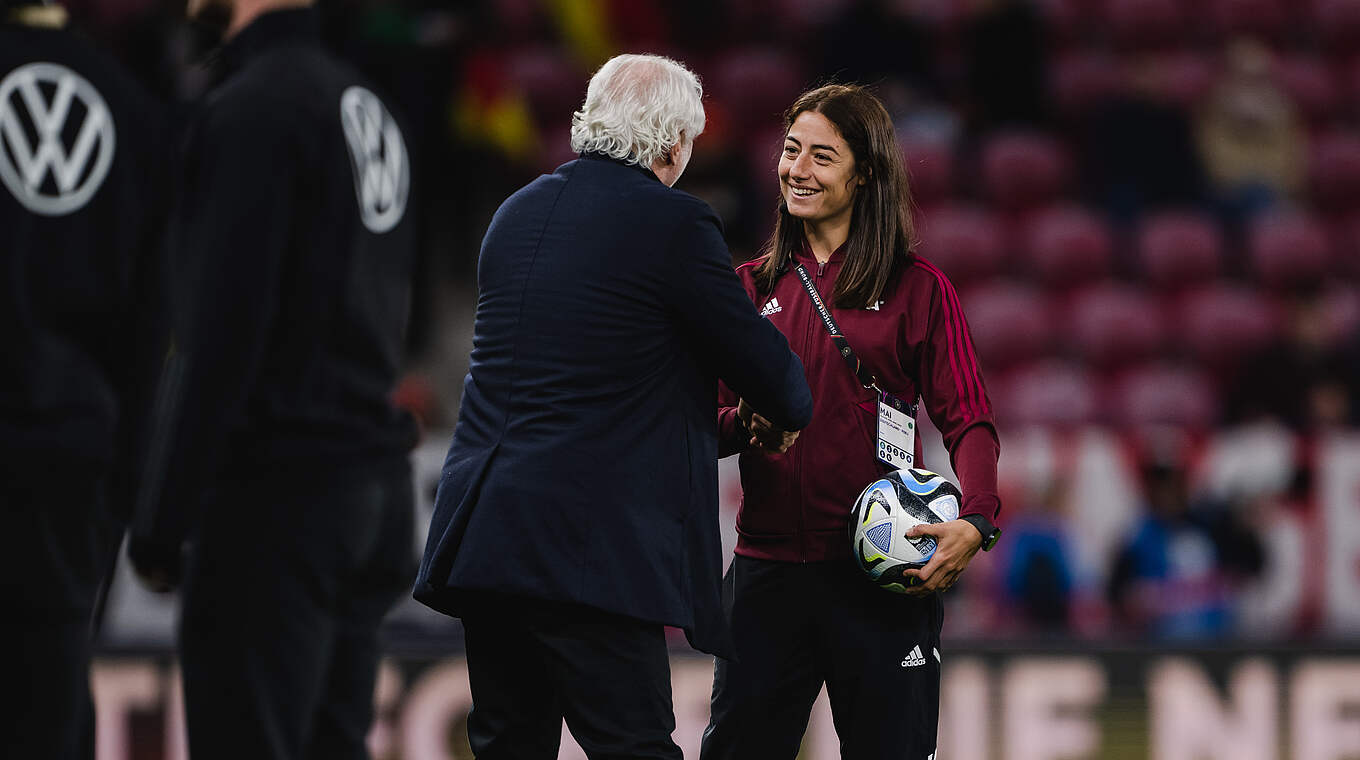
point(946, 17)
point(930, 169)
point(761, 148)
point(1346, 246)
point(1334, 171)
point(1082, 80)
point(1341, 304)
point(1337, 308)
point(548, 78)
point(1010, 323)
point(756, 84)
point(964, 241)
point(1288, 249)
point(1163, 394)
point(1068, 245)
point(1113, 325)
point(1049, 393)
point(1310, 84)
point(1338, 24)
point(1261, 19)
point(1146, 23)
point(1023, 169)
point(1185, 76)
point(555, 148)
point(1066, 20)
point(1348, 76)
point(1179, 250)
point(1220, 324)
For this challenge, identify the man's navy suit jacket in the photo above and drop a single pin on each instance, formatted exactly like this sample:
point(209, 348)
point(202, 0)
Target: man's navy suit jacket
point(583, 467)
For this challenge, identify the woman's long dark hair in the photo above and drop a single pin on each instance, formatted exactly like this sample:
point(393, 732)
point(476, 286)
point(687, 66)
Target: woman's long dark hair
point(881, 230)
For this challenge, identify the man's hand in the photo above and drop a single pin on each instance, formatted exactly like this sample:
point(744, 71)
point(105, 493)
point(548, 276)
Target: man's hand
point(764, 435)
point(956, 543)
point(159, 566)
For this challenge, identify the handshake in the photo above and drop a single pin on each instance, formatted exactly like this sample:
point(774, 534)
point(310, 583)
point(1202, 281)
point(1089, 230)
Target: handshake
point(764, 435)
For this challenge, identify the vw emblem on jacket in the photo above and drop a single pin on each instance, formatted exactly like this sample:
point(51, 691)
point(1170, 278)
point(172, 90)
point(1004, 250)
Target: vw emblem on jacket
point(56, 138)
point(377, 154)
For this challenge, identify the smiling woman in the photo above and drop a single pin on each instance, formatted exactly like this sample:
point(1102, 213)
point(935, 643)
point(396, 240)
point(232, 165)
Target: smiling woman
point(818, 180)
point(803, 614)
point(841, 155)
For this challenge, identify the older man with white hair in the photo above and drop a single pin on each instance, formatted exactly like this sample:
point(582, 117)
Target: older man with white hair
point(577, 511)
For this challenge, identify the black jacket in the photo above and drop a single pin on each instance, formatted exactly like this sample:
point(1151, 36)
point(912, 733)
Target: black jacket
point(584, 464)
point(294, 231)
point(82, 288)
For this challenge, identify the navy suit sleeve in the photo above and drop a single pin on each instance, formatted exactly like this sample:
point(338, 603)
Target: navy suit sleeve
point(751, 356)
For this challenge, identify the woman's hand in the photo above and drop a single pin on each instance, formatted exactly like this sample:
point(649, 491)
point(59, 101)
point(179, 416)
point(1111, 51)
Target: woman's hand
point(956, 543)
point(764, 435)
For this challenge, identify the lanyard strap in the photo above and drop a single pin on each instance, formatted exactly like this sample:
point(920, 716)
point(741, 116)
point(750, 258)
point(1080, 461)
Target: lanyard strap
point(866, 378)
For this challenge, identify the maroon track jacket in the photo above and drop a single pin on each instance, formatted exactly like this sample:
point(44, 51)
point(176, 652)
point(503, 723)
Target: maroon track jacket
point(916, 342)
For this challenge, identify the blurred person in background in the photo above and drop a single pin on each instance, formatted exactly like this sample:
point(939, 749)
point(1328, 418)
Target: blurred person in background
point(1176, 573)
point(1250, 136)
point(83, 188)
point(1038, 565)
point(1005, 65)
point(276, 453)
point(874, 40)
point(577, 513)
point(803, 614)
point(1299, 380)
point(1138, 150)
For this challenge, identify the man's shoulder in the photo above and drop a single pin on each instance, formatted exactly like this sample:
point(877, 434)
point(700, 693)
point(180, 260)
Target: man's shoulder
point(537, 192)
point(242, 100)
point(684, 214)
point(635, 186)
point(280, 80)
point(692, 206)
point(69, 51)
point(278, 93)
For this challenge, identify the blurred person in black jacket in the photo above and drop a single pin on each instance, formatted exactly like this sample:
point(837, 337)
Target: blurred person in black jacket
point(275, 450)
point(1300, 379)
point(1137, 148)
point(1005, 65)
point(82, 197)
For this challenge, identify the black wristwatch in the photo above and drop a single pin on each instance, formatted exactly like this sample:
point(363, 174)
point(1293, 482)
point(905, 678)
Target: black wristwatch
point(990, 533)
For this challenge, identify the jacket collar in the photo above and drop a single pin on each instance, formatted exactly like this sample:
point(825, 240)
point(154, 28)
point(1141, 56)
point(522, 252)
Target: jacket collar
point(274, 29)
point(804, 254)
point(602, 157)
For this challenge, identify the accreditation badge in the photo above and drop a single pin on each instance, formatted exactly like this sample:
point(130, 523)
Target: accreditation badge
point(896, 432)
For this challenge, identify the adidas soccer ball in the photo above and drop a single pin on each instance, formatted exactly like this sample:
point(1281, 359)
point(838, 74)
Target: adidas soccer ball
point(886, 510)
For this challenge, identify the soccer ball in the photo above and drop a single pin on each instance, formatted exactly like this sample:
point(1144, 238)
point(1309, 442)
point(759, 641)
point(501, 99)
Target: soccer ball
point(886, 510)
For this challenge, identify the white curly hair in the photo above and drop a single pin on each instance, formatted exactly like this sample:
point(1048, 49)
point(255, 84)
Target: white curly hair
point(637, 108)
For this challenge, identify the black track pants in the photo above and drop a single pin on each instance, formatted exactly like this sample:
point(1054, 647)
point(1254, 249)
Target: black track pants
point(798, 626)
point(290, 580)
point(56, 544)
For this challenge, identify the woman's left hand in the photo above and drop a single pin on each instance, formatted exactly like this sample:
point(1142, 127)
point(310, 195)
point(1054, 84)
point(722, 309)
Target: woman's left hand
point(956, 543)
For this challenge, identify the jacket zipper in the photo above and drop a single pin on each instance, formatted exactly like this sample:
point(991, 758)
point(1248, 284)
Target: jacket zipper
point(808, 335)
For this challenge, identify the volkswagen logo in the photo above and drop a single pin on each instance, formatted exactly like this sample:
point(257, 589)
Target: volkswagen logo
point(56, 138)
point(382, 174)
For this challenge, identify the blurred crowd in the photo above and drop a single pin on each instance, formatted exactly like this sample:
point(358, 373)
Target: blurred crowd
point(1151, 208)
